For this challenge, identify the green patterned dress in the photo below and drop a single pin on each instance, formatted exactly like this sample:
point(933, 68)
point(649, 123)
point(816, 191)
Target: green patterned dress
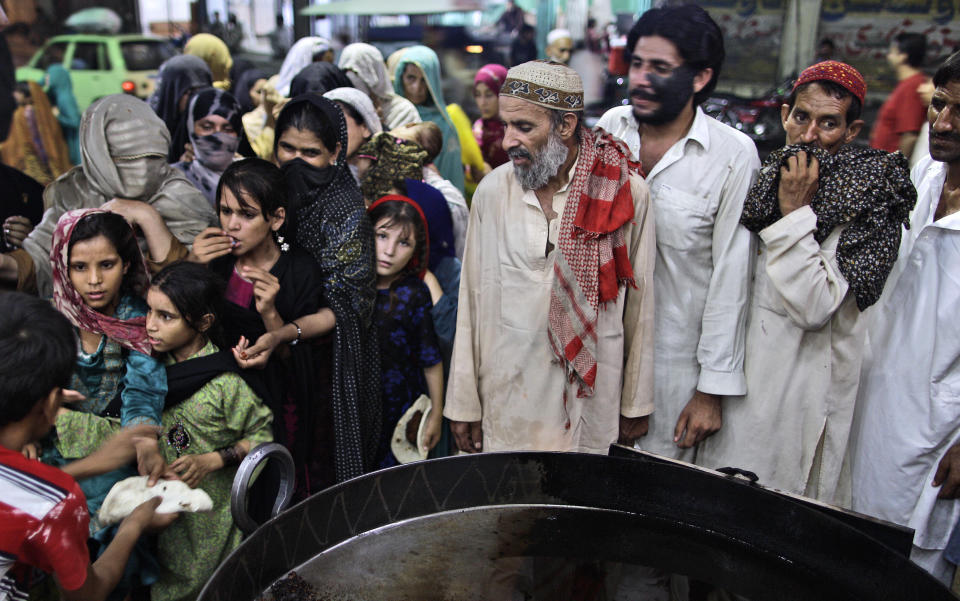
point(222, 413)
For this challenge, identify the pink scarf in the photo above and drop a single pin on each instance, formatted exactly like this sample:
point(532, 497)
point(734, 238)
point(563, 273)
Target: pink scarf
point(130, 333)
point(592, 261)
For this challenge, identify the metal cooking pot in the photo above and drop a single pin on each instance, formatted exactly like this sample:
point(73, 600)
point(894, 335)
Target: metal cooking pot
point(437, 530)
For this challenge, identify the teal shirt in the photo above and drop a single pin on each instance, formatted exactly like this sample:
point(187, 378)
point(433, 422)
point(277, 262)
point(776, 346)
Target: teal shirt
point(140, 380)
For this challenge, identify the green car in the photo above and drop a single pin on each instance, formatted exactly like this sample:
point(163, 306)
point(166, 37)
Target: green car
point(100, 65)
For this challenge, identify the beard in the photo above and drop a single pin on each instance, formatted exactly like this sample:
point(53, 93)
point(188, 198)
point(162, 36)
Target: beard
point(543, 165)
point(671, 93)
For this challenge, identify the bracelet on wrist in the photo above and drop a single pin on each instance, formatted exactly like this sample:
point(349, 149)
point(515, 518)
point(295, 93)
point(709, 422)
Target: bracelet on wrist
point(299, 333)
point(229, 455)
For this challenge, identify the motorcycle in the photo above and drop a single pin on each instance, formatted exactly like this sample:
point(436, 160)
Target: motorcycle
point(759, 118)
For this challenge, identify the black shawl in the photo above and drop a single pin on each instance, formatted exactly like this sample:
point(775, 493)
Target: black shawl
point(318, 77)
point(292, 380)
point(185, 378)
point(866, 188)
point(176, 77)
point(331, 224)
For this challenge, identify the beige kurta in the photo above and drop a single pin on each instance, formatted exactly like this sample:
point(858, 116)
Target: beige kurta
point(805, 338)
point(504, 372)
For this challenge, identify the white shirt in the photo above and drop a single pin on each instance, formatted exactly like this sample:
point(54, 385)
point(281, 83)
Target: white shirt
point(704, 262)
point(504, 371)
point(910, 396)
point(805, 340)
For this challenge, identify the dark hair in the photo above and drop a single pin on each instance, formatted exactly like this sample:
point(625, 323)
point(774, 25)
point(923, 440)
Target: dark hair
point(827, 42)
point(697, 37)
point(195, 291)
point(914, 45)
point(259, 179)
point(948, 72)
point(309, 118)
point(833, 89)
point(38, 350)
point(556, 119)
point(430, 137)
point(114, 228)
point(22, 87)
point(401, 213)
point(351, 111)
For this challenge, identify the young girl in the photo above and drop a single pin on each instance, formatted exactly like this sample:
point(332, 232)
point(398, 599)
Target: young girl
point(99, 279)
point(273, 296)
point(410, 362)
point(211, 421)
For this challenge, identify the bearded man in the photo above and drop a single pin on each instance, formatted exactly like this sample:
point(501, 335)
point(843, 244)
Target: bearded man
point(699, 171)
point(554, 341)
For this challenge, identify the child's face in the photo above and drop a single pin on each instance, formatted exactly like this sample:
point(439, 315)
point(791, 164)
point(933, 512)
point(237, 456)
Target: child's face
point(21, 98)
point(395, 247)
point(246, 225)
point(487, 101)
point(96, 271)
point(166, 327)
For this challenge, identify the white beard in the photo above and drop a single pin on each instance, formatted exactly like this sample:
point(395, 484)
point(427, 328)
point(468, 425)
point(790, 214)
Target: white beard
point(543, 165)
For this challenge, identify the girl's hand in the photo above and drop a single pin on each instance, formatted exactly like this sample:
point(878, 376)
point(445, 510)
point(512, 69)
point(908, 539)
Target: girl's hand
point(31, 451)
point(193, 468)
point(256, 356)
point(432, 431)
point(210, 244)
point(265, 288)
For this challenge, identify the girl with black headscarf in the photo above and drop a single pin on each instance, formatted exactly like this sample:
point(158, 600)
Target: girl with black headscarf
point(177, 79)
point(327, 218)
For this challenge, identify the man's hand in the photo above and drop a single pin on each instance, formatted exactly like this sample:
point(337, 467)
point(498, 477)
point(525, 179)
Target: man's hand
point(632, 428)
point(209, 244)
point(146, 518)
point(468, 436)
point(15, 229)
point(948, 474)
point(699, 419)
point(798, 182)
point(150, 461)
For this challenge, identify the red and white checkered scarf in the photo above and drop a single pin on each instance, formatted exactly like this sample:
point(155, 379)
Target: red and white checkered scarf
point(592, 261)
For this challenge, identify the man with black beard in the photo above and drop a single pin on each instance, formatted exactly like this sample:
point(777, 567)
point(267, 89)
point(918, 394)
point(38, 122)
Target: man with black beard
point(699, 172)
point(554, 340)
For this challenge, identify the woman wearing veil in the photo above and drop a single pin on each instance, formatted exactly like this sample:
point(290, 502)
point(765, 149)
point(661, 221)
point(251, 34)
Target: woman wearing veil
point(178, 78)
point(123, 150)
point(327, 218)
point(417, 77)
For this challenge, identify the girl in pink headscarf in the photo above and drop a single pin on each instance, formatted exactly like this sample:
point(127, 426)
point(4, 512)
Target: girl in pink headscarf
point(99, 279)
point(488, 129)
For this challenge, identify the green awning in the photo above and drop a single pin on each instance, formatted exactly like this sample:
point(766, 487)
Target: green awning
point(391, 7)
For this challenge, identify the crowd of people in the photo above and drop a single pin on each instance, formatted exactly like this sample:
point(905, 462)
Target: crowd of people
point(334, 258)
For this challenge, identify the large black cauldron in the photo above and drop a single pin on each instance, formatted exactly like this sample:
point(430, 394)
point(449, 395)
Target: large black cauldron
point(431, 530)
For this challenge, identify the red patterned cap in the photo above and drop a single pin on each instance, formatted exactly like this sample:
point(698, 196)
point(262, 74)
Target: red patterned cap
point(837, 72)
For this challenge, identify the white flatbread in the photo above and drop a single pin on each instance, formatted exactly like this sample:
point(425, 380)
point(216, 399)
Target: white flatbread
point(128, 494)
